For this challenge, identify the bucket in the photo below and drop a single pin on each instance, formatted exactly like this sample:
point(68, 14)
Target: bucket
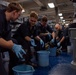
point(72, 32)
point(53, 51)
point(23, 70)
point(43, 58)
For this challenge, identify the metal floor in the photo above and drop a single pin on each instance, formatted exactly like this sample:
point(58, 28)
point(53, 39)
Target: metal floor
point(59, 65)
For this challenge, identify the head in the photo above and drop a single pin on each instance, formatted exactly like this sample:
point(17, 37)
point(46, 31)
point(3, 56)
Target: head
point(14, 10)
point(33, 18)
point(44, 20)
point(57, 27)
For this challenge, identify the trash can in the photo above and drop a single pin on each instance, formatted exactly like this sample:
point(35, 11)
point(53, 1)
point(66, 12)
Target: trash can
point(23, 70)
point(43, 58)
point(74, 52)
point(53, 51)
point(72, 32)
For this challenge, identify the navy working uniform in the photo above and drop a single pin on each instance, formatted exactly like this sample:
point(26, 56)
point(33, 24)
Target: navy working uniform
point(44, 29)
point(65, 42)
point(23, 31)
point(5, 33)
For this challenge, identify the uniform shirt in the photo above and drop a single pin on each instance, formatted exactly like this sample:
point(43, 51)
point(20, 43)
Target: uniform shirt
point(43, 29)
point(24, 30)
point(5, 29)
point(62, 33)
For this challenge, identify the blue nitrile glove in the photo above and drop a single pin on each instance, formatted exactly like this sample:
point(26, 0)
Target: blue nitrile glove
point(49, 36)
point(33, 42)
point(18, 51)
point(42, 42)
point(58, 44)
point(52, 41)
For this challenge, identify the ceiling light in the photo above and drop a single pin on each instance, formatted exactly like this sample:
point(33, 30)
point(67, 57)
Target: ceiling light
point(63, 20)
point(61, 17)
point(60, 14)
point(66, 24)
point(23, 11)
point(51, 5)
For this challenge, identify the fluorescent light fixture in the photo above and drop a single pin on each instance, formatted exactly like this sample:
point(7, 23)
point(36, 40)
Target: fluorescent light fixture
point(66, 24)
point(23, 11)
point(61, 17)
point(51, 5)
point(63, 20)
point(60, 14)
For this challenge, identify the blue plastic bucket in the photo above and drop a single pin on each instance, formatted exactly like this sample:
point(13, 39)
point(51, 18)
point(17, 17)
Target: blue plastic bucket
point(53, 51)
point(23, 70)
point(43, 58)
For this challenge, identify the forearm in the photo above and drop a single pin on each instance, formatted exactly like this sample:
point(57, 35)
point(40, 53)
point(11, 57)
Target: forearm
point(62, 39)
point(6, 44)
point(53, 35)
point(43, 34)
point(37, 38)
point(27, 38)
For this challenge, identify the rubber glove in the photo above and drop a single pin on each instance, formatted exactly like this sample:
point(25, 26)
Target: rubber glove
point(49, 36)
point(42, 42)
point(58, 44)
point(19, 51)
point(52, 41)
point(33, 42)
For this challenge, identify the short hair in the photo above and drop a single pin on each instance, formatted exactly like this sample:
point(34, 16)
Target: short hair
point(58, 23)
point(34, 14)
point(44, 19)
point(14, 6)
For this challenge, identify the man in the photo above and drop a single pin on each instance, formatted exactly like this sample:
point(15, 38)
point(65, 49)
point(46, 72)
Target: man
point(26, 34)
point(45, 31)
point(12, 12)
point(61, 36)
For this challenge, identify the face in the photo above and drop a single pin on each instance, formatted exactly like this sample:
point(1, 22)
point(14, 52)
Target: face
point(43, 23)
point(15, 15)
point(57, 27)
point(32, 21)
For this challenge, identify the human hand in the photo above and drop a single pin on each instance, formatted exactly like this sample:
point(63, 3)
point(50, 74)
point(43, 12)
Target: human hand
point(52, 41)
point(42, 42)
point(19, 51)
point(58, 44)
point(33, 42)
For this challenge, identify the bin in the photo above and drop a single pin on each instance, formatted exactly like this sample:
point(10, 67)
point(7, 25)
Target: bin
point(53, 51)
point(72, 32)
point(74, 52)
point(23, 70)
point(43, 58)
